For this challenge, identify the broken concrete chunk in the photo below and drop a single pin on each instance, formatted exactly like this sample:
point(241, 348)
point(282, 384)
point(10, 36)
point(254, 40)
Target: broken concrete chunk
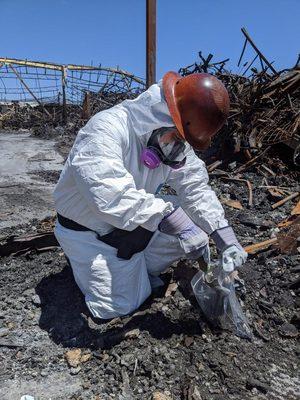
point(160, 396)
point(171, 289)
point(73, 357)
point(134, 333)
point(85, 357)
point(188, 341)
point(194, 393)
point(75, 371)
point(4, 332)
point(36, 300)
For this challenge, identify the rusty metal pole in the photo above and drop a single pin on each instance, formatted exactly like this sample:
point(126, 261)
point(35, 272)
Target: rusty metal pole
point(150, 42)
point(64, 98)
point(86, 106)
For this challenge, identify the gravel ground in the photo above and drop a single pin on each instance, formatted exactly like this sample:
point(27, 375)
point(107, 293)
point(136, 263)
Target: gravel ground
point(50, 347)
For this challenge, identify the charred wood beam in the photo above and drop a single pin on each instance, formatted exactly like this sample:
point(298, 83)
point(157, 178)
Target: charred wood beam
point(19, 245)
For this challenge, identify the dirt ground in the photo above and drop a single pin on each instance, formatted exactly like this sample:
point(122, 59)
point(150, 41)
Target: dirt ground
point(51, 348)
point(29, 168)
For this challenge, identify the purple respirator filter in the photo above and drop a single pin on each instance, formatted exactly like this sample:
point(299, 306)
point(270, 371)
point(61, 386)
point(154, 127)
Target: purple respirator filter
point(150, 158)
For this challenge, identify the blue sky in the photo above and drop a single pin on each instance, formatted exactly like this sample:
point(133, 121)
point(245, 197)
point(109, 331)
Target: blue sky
point(113, 32)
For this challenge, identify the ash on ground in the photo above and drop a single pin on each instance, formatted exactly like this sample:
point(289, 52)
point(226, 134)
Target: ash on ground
point(51, 347)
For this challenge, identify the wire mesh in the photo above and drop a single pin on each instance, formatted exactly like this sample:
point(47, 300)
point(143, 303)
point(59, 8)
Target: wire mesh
point(37, 82)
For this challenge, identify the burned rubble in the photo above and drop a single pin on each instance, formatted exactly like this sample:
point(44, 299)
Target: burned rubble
point(167, 349)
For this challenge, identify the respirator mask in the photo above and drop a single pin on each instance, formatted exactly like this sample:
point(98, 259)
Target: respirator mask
point(166, 146)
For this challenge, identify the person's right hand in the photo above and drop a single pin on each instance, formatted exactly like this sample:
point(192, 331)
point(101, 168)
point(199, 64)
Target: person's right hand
point(233, 257)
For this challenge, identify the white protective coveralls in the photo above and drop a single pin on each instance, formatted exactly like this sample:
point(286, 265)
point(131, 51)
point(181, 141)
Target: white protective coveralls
point(104, 185)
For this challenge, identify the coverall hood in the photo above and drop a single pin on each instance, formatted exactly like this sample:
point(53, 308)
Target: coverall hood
point(149, 111)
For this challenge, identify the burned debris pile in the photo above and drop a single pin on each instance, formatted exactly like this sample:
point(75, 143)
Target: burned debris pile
point(264, 105)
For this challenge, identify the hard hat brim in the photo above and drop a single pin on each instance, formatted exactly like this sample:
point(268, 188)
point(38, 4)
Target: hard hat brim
point(170, 80)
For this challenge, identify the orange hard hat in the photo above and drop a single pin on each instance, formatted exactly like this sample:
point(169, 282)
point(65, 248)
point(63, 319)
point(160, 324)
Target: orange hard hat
point(198, 104)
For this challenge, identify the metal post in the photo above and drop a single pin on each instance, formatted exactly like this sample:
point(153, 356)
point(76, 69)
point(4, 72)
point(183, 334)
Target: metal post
point(64, 99)
point(150, 42)
point(86, 106)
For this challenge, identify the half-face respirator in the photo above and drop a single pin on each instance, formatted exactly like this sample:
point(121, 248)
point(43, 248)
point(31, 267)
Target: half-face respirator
point(164, 146)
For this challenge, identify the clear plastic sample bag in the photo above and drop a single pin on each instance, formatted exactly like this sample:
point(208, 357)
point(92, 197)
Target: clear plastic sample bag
point(215, 293)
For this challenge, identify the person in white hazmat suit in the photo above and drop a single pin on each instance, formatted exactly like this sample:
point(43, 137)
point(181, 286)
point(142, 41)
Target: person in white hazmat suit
point(118, 233)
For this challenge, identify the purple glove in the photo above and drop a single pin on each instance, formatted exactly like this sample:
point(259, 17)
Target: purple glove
point(190, 236)
point(224, 237)
point(232, 253)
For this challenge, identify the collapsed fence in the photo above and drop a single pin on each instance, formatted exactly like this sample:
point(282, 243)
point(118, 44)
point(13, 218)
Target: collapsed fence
point(42, 83)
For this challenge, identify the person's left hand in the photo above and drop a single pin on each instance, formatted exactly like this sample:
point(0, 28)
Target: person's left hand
point(232, 257)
